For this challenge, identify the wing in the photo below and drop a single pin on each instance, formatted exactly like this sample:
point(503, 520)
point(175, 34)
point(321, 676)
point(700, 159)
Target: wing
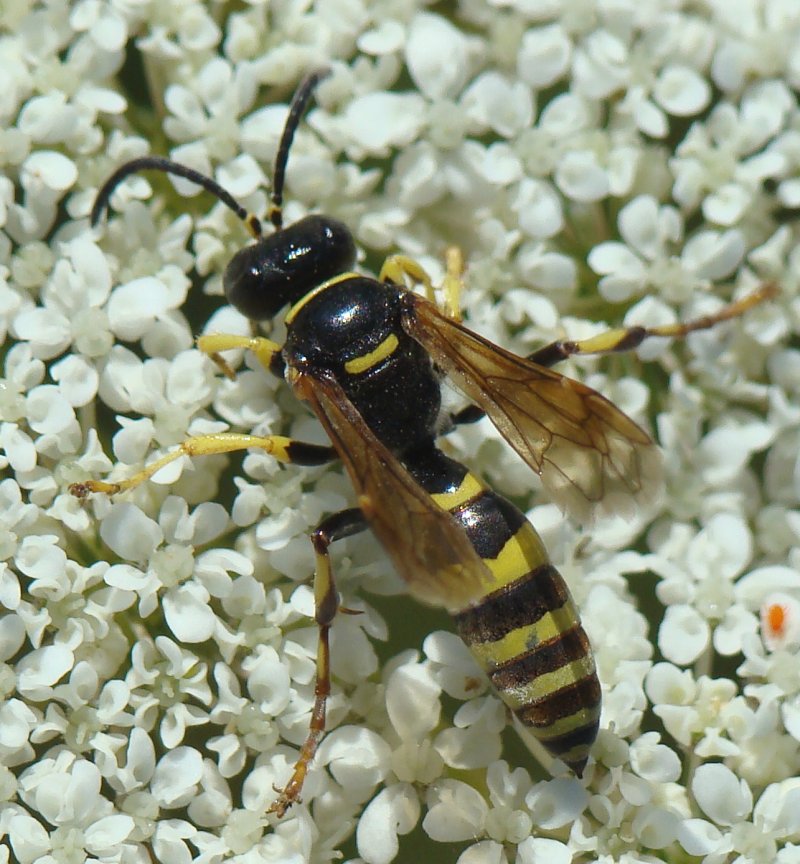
point(427, 546)
point(592, 458)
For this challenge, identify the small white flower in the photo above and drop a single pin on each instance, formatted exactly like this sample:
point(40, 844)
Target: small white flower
point(550, 272)
point(268, 680)
point(27, 836)
point(656, 827)
point(683, 635)
point(456, 812)
point(599, 65)
point(358, 760)
point(681, 91)
point(728, 802)
point(170, 839)
point(67, 790)
point(653, 761)
point(544, 55)
point(493, 102)
point(378, 121)
point(412, 701)
point(475, 742)
point(394, 811)
point(386, 38)
point(555, 803)
point(176, 777)
point(541, 850)
point(580, 177)
point(711, 157)
point(18, 721)
point(129, 533)
point(538, 208)
point(437, 56)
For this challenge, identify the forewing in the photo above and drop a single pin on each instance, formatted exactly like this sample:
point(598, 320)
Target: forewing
point(427, 546)
point(592, 458)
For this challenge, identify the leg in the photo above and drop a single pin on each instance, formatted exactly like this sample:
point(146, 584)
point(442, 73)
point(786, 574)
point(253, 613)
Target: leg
point(267, 352)
point(628, 338)
point(283, 449)
point(453, 282)
point(625, 339)
point(398, 268)
point(326, 603)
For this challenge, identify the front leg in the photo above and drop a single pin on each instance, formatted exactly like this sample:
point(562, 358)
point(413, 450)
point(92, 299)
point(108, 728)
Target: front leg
point(268, 353)
point(397, 268)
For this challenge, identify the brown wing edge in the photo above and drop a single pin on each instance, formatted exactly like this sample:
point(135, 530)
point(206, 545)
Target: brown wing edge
point(428, 548)
point(593, 459)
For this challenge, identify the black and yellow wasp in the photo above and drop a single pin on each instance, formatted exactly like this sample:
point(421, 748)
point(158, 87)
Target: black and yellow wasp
point(369, 355)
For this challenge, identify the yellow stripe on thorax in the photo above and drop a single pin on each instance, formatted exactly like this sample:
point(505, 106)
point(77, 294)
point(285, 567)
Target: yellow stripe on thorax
point(290, 315)
point(361, 364)
point(552, 624)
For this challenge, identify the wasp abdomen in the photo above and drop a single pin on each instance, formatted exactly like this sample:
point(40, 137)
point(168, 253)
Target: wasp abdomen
point(538, 658)
point(525, 631)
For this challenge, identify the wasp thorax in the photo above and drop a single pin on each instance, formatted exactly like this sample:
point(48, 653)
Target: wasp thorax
point(263, 278)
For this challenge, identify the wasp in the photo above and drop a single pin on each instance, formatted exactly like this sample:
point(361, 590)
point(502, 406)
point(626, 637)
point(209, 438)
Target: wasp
point(369, 355)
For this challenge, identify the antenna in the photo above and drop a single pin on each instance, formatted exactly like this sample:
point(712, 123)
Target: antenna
point(297, 108)
point(300, 101)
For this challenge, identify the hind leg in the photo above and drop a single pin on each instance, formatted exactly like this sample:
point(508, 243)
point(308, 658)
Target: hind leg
point(627, 339)
point(326, 605)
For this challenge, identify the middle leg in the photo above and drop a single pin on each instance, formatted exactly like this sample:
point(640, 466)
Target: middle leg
point(283, 449)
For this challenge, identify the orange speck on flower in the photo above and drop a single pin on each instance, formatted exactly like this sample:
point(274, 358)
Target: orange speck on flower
point(776, 618)
point(780, 621)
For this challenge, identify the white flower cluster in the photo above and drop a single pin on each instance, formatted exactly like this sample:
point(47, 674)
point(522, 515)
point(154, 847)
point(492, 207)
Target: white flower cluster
point(598, 161)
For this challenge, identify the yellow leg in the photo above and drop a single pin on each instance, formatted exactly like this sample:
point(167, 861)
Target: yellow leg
point(282, 448)
point(325, 598)
point(326, 605)
point(453, 283)
point(399, 268)
point(628, 338)
point(266, 351)
point(733, 310)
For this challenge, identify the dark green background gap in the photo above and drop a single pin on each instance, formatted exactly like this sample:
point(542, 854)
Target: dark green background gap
point(133, 79)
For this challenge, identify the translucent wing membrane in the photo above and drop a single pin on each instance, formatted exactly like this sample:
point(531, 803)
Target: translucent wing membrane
point(427, 546)
point(591, 457)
